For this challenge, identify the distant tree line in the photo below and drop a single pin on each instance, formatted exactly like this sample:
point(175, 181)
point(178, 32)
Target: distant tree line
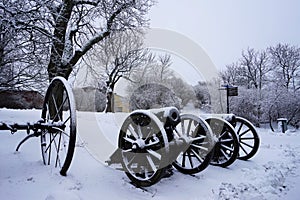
point(269, 84)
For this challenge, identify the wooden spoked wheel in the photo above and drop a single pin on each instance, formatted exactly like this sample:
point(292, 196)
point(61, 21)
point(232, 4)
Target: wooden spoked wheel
point(248, 138)
point(198, 153)
point(59, 117)
point(227, 146)
point(144, 148)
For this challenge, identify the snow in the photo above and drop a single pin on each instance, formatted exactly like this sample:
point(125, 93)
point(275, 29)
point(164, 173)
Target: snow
point(273, 173)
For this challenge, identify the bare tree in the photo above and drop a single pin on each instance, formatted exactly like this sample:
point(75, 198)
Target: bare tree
point(286, 59)
point(22, 50)
point(155, 85)
point(182, 90)
point(234, 74)
point(274, 82)
point(256, 65)
point(79, 25)
point(70, 28)
point(251, 71)
point(115, 58)
point(156, 69)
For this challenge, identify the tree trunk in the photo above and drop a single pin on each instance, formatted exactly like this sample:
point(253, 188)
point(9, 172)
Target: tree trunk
point(270, 122)
point(56, 101)
point(109, 102)
point(57, 49)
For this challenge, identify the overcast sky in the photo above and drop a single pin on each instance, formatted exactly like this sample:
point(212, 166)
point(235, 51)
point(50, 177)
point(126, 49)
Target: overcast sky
point(223, 28)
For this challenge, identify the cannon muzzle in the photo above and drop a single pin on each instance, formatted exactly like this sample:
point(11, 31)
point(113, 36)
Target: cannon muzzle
point(169, 116)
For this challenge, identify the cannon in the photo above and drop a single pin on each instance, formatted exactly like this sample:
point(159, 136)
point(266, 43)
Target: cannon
point(152, 141)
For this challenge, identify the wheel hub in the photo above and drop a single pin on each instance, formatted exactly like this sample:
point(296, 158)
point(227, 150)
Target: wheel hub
point(139, 144)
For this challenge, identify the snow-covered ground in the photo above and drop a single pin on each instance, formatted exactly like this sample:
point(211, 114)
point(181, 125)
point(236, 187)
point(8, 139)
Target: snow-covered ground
point(274, 173)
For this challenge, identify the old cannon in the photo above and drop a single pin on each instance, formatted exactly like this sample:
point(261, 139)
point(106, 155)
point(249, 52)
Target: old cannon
point(152, 141)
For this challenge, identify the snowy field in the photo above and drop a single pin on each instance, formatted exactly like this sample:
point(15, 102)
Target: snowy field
point(274, 173)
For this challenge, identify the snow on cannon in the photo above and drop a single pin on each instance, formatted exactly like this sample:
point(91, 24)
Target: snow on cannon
point(236, 138)
point(151, 141)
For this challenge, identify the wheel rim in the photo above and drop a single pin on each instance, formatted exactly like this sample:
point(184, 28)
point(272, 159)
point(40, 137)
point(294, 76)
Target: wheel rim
point(144, 146)
point(248, 137)
point(227, 147)
point(195, 157)
point(58, 141)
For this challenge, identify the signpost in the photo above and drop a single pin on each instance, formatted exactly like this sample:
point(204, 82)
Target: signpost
point(230, 91)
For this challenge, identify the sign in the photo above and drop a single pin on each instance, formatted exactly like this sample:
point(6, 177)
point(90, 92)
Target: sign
point(232, 91)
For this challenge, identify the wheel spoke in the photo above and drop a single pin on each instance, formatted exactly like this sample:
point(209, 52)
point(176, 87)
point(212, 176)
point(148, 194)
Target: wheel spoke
point(183, 159)
point(139, 131)
point(227, 140)
point(227, 148)
point(224, 154)
point(152, 143)
point(129, 155)
point(196, 130)
point(57, 152)
point(128, 140)
point(189, 128)
point(58, 111)
point(247, 138)
point(178, 134)
point(244, 132)
point(51, 140)
point(197, 156)
point(183, 128)
point(190, 159)
point(222, 134)
point(49, 148)
point(152, 165)
point(127, 150)
point(67, 120)
point(131, 160)
point(154, 153)
point(240, 128)
point(132, 131)
point(197, 138)
point(48, 113)
point(248, 145)
point(243, 149)
point(149, 134)
point(199, 147)
point(62, 131)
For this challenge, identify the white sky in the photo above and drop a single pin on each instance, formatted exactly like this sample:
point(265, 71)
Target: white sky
point(223, 28)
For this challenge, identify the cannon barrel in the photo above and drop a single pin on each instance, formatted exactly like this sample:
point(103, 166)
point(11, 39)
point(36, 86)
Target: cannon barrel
point(169, 116)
